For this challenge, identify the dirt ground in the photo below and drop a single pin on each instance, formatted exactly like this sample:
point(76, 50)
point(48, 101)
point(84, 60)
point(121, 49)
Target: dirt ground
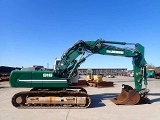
point(101, 107)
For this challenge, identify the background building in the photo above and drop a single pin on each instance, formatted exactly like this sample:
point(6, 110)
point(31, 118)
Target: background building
point(103, 71)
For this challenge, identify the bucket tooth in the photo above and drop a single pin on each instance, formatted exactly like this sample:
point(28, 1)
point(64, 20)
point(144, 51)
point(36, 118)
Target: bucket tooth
point(130, 97)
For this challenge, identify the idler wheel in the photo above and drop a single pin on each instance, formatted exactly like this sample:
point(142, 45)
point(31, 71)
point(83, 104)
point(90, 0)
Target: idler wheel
point(18, 100)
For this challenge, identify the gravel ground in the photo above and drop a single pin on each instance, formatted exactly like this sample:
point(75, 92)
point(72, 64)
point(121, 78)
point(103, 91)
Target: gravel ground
point(101, 107)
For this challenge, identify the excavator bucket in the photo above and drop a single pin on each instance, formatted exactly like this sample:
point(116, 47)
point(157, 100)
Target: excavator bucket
point(128, 96)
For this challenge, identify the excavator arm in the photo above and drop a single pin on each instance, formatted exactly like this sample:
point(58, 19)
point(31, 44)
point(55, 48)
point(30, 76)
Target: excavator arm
point(76, 55)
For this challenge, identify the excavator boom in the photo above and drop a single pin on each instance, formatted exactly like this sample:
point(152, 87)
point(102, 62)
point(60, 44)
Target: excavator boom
point(127, 96)
point(69, 62)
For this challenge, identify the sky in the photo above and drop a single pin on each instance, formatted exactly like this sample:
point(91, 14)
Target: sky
point(35, 32)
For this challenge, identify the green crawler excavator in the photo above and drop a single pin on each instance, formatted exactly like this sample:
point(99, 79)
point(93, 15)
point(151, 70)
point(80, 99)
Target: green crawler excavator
point(58, 88)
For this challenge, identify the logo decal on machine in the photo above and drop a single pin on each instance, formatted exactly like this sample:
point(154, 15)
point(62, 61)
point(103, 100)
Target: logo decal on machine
point(115, 52)
point(47, 75)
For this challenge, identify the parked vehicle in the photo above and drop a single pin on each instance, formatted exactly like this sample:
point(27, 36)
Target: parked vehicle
point(157, 72)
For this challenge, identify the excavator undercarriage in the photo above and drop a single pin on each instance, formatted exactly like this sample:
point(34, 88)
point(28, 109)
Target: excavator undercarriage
point(44, 98)
point(75, 97)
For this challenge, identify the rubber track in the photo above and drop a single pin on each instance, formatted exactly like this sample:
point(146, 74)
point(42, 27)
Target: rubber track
point(25, 94)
